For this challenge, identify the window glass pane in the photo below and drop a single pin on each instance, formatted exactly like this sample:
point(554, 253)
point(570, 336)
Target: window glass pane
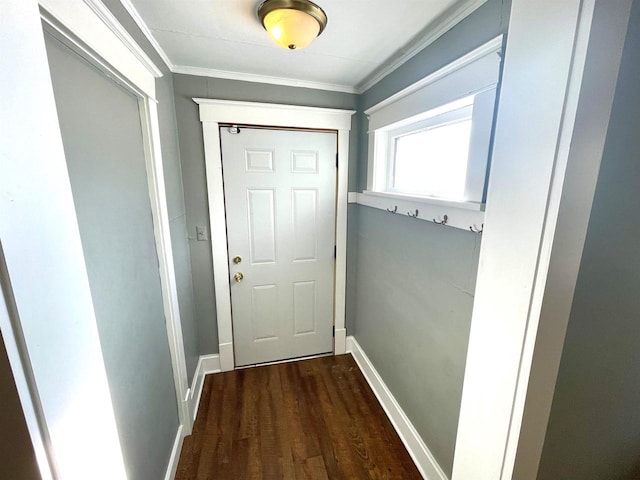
point(433, 162)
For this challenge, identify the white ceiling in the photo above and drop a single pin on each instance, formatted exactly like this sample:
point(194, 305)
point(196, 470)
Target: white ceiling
point(364, 39)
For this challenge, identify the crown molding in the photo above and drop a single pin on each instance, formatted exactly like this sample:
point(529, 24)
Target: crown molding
point(225, 74)
point(433, 31)
point(119, 31)
point(257, 78)
point(430, 34)
point(146, 31)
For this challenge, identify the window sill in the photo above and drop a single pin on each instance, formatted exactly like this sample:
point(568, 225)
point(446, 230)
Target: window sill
point(418, 200)
point(463, 215)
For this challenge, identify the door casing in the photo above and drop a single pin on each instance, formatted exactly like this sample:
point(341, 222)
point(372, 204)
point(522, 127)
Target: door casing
point(215, 112)
point(89, 28)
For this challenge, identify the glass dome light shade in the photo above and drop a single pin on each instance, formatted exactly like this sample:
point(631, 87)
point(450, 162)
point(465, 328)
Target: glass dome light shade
point(291, 29)
point(292, 24)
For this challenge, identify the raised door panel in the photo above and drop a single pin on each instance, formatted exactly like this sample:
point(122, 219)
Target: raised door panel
point(304, 307)
point(304, 204)
point(261, 213)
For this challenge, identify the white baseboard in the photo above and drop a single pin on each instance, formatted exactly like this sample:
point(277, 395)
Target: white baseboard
point(175, 455)
point(206, 364)
point(422, 457)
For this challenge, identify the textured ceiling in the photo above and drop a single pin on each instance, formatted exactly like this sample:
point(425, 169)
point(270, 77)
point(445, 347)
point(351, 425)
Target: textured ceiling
point(361, 38)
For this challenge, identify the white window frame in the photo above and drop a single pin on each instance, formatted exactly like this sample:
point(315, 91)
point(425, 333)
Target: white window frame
point(446, 118)
point(476, 75)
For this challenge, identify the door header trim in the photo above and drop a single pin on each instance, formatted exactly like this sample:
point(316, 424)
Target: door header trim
point(273, 114)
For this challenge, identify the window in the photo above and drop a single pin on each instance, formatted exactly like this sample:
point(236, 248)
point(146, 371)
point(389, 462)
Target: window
point(431, 141)
point(429, 158)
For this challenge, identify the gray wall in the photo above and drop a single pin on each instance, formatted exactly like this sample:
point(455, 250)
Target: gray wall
point(415, 281)
point(173, 182)
point(594, 426)
point(414, 299)
point(17, 458)
point(102, 137)
point(188, 87)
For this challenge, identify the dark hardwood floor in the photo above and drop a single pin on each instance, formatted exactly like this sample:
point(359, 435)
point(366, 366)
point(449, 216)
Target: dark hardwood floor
point(312, 419)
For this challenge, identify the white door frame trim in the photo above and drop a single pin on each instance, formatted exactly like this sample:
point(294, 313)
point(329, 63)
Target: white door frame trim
point(212, 114)
point(547, 151)
point(95, 37)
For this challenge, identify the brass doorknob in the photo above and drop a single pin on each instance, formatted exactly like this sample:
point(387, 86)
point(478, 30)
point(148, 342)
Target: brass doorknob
point(238, 277)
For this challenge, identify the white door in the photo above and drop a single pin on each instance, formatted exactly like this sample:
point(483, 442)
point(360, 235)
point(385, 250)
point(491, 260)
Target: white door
point(280, 201)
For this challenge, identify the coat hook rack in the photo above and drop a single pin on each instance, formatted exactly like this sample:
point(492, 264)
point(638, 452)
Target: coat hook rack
point(395, 209)
point(475, 229)
point(413, 215)
point(444, 220)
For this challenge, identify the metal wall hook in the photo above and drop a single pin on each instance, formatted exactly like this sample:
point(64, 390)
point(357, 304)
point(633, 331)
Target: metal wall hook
point(395, 209)
point(413, 215)
point(443, 221)
point(475, 229)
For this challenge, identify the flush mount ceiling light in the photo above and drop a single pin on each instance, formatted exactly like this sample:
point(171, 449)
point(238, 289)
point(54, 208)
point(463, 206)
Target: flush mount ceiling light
point(292, 24)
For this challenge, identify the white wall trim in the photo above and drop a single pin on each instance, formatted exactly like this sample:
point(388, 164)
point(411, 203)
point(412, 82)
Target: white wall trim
point(82, 25)
point(162, 231)
point(476, 73)
point(26, 387)
point(273, 114)
point(47, 316)
point(492, 46)
point(548, 146)
point(146, 31)
point(464, 215)
point(340, 341)
point(212, 113)
point(580, 149)
point(207, 364)
point(174, 457)
point(429, 35)
point(420, 453)
point(52, 26)
point(114, 25)
point(256, 78)
point(226, 355)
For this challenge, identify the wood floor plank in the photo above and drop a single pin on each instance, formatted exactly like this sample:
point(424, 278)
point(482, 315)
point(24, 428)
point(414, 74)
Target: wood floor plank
point(284, 440)
point(332, 407)
point(314, 469)
point(312, 419)
point(371, 422)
